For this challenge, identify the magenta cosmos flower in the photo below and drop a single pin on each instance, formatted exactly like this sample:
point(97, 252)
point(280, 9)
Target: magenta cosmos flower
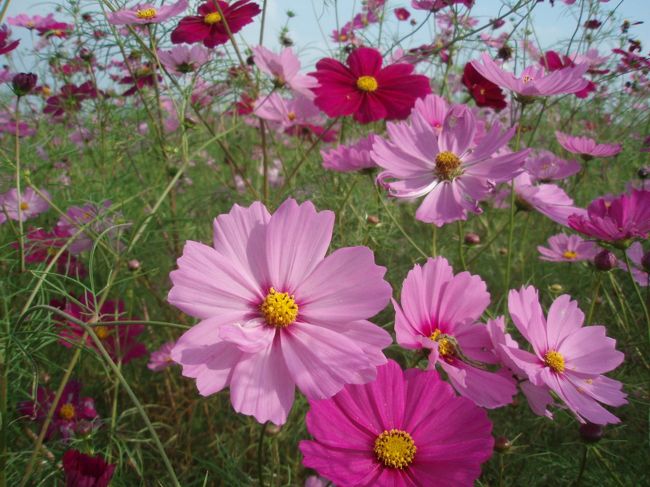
point(22, 206)
point(276, 312)
point(635, 254)
point(435, 5)
point(404, 429)
point(181, 60)
point(568, 358)
point(82, 470)
point(285, 70)
point(146, 13)
point(544, 166)
point(6, 44)
point(587, 148)
point(350, 157)
point(617, 220)
point(567, 248)
point(534, 80)
point(161, 358)
point(287, 113)
point(366, 90)
point(440, 313)
point(447, 167)
point(209, 26)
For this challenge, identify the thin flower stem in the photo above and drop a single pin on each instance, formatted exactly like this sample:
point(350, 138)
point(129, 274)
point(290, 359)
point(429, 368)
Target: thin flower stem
point(434, 241)
point(262, 23)
point(594, 297)
point(461, 250)
point(583, 464)
point(637, 290)
point(21, 236)
point(265, 163)
point(260, 454)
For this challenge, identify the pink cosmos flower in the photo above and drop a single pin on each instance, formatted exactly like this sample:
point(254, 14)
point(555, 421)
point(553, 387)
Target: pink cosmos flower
point(31, 204)
point(284, 68)
point(635, 254)
point(366, 90)
point(181, 60)
point(439, 313)
point(586, 147)
point(449, 168)
point(544, 166)
point(435, 5)
point(433, 109)
point(567, 248)
point(49, 29)
point(286, 113)
point(401, 14)
point(276, 312)
point(617, 220)
point(350, 157)
point(95, 218)
point(24, 20)
point(146, 13)
point(161, 358)
point(404, 429)
point(534, 81)
point(6, 44)
point(71, 410)
point(568, 358)
point(209, 26)
point(548, 199)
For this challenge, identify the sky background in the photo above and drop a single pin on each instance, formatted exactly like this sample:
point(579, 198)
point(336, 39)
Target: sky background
point(315, 20)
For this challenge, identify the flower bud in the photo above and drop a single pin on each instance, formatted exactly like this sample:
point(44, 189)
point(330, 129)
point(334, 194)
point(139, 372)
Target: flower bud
point(23, 83)
point(372, 219)
point(502, 444)
point(556, 288)
point(472, 238)
point(643, 173)
point(605, 260)
point(591, 433)
point(134, 265)
point(272, 430)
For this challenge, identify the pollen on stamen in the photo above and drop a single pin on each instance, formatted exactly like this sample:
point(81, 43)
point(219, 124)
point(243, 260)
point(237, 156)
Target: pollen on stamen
point(447, 165)
point(279, 309)
point(554, 360)
point(146, 13)
point(367, 83)
point(212, 18)
point(67, 412)
point(395, 449)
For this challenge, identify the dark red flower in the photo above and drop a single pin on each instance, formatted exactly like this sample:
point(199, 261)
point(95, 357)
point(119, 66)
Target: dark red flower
point(23, 83)
point(139, 78)
point(54, 29)
point(552, 61)
point(484, 92)
point(366, 90)
point(5, 44)
point(209, 26)
point(85, 471)
point(593, 24)
point(312, 132)
point(41, 246)
point(402, 14)
point(70, 98)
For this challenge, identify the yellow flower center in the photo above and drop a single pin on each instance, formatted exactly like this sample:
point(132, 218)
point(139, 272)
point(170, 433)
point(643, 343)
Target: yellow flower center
point(554, 360)
point(101, 331)
point(569, 254)
point(212, 18)
point(67, 411)
point(279, 309)
point(24, 206)
point(291, 116)
point(146, 13)
point(446, 346)
point(447, 166)
point(527, 79)
point(367, 83)
point(395, 449)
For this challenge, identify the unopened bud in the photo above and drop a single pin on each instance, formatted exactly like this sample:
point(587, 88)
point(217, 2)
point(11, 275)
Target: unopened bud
point(472, 238)
point(502, 444)
point(134, 265)
point(372, 219)
point(591, 433)
point(605, 260)
point(23, 83)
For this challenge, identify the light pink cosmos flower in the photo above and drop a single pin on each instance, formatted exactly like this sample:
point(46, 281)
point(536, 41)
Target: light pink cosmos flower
point(567, 248)
point(586, 147)
point(31, 204)
point(161, 358)
point(350, 157)
point(24, 20)
point(448, 167)
point(277, 313)
point(635, 254)
point(433, 109)
point(284, 68)
point(182, 59)
point(544, 166)
point(96, 219)
point(534, 80)
point(146, 13)
point(439, 312)
point(286, 113)
point(548, 199)
point(568, 358)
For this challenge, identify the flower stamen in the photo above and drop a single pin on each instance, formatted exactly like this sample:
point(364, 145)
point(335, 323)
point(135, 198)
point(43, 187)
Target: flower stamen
point(67, 411)
point(146, 13)
point(212, 18)
point(367, 83)
point(395, 449)
point(554, 360)
point(279, 309)
point(447, 166)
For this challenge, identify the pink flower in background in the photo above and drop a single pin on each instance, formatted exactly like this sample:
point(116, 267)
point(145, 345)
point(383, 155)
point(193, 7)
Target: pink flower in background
point(586, 147)
point(70, 98)
point(567, 248)
point(367, 90)
point(545, 166)
point(548, 199)
point(433, 109)
point(41, 246)
point(93, 218)
point(435, 5)
point(286, 113)
point(401, 14)
point(350, 157)
point(440, 313)
point(49, 29)
point(146, 13)
point(161, 358)
point(568, 358)
point(617, 219)
point(404, 429)
point(24, 20)
point(635, 254)
point(181, 60)
point(534, 81)
point(447, 167)
point(285, 70)
point(552, 61)
point(6, 44)
point(31, 204)
point(81, 137)
point(71, 410)
point(276, 312)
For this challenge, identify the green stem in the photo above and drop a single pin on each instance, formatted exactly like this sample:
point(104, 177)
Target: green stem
point(594, 298)
point(21, 236)
point(461, 249)
point(434, 241)
point(583, 464)
point(260, 454)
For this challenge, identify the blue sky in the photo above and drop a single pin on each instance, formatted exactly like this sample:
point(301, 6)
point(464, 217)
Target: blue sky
point(314, 22)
